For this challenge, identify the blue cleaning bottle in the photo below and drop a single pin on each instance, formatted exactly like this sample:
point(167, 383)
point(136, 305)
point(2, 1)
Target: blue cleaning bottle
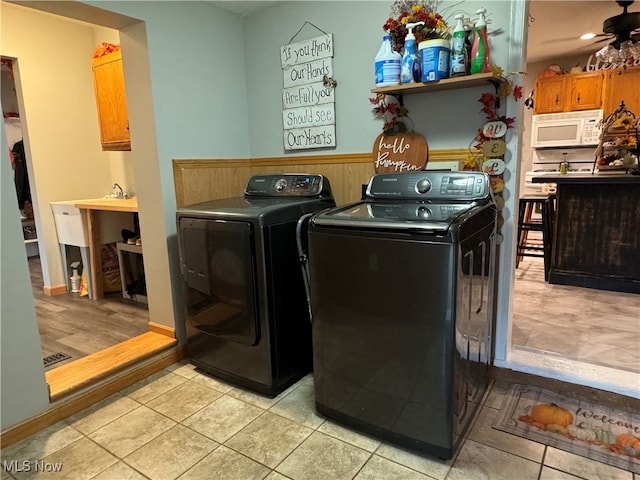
point(410, 70)
point(387, 64)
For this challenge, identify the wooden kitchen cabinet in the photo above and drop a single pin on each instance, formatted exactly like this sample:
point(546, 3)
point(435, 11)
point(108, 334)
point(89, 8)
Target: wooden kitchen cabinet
point(550, 94)
point(108, 80)
point(622, 85)
point(569, 93)
point(585, 91)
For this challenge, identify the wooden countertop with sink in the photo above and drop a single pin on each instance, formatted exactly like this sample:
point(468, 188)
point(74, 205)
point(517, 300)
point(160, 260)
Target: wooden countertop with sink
point(90, 209)
point(110, 204)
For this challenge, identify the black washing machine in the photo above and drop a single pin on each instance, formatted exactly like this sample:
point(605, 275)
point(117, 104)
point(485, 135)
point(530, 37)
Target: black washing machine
point(401, 289)
point(246, 308)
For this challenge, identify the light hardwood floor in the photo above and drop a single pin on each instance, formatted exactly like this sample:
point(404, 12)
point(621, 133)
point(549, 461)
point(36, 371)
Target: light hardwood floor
point(593, 326)
point(79, 326)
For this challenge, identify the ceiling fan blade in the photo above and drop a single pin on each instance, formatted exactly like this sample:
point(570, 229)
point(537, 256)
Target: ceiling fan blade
point(554, 40)
point(605, 38)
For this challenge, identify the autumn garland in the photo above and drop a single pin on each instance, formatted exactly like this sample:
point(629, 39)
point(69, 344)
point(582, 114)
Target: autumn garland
point(392, 113)
point(490, 104)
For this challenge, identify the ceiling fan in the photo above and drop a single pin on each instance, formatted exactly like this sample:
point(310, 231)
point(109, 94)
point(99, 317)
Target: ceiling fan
point(623, 27)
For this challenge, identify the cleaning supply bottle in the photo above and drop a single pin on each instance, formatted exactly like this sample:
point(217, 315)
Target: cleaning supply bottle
point(468, 43)
point(458, 62)
point(387, 64)
point(410, 70)
point(480, 49)
point(75, 278)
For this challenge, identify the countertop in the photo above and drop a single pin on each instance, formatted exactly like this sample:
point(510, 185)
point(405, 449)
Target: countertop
point(587, 178)
point(111, 204)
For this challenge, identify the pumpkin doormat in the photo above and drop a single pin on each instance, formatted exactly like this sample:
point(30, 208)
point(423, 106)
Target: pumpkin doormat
point(597, 432)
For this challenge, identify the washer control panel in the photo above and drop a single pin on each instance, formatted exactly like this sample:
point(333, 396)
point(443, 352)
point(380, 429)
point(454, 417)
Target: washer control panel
point(427, 185)
point(287, 185)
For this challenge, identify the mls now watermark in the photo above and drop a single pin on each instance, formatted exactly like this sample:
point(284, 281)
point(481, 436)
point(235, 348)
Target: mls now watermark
point(17, 466)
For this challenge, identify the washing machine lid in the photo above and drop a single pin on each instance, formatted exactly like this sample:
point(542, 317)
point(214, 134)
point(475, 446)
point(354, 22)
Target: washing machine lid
point(268, 199)
point(414, 216)
point(263, 210)
point(425, 201)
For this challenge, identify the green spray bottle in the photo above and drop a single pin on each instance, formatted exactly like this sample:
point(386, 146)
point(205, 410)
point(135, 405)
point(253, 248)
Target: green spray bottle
point(480, 50)
point(458, 62)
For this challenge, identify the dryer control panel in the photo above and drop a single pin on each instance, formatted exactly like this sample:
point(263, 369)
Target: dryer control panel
point(427, 185)
point(288, 185)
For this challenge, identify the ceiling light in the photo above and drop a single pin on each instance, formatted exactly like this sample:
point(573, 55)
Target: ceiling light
point(587, 36)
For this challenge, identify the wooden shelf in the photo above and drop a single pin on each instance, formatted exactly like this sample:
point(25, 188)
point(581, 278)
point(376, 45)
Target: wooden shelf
point(468, 81)
point(127, 247)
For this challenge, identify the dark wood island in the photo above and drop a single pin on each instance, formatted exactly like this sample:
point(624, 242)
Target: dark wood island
point(596, 231)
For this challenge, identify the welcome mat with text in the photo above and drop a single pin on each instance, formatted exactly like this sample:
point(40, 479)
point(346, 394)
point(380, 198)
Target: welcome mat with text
point(597, 432)
point(55, 358)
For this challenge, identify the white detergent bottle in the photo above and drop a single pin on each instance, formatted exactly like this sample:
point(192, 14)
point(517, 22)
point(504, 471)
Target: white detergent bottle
point(75, 281)
point(387, 64)
point(410, 70)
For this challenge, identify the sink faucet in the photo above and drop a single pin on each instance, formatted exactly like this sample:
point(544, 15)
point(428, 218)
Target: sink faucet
point(121, 193)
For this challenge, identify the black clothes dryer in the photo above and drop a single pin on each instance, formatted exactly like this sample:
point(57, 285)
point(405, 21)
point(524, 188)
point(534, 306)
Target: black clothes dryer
point(246, 314)
point(401, 288)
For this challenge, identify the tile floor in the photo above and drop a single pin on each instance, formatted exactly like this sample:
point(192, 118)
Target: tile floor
point(181, 424)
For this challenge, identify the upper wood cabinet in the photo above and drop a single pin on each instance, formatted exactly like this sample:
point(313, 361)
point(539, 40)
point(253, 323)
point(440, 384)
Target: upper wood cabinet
point(568, 93)
point(550, 94)
point(622, 85)
point(585, 91)
point(108, 81)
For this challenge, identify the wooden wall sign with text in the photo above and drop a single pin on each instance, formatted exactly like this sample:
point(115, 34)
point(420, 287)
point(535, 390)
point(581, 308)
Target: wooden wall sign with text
point(494, 165)
point(402, 152)
point(308, 100)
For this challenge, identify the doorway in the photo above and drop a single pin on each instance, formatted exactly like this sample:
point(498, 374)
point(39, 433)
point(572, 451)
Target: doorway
point(579, 335)
point(71, 326)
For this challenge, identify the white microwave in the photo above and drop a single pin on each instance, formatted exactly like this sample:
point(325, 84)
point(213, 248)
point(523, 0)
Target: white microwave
point(566, 129)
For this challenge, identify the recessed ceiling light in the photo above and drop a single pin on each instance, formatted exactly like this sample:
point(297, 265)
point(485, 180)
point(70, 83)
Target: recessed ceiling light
point(587, 36)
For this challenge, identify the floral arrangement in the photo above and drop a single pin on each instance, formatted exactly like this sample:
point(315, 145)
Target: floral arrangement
point(410, 11)
point(626, 121)
point(392, 113)
point(622, 119)
point(105, 49)
point(490, 105)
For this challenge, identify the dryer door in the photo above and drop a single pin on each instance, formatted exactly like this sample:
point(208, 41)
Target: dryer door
point(219, 274)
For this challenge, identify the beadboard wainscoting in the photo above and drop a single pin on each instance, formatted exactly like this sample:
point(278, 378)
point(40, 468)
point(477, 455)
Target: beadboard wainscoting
point(210, 179)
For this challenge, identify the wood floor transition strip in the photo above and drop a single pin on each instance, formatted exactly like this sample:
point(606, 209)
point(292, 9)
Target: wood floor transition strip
point(77, 375)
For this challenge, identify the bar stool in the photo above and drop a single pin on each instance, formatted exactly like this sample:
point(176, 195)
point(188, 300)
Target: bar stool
point(529, 247)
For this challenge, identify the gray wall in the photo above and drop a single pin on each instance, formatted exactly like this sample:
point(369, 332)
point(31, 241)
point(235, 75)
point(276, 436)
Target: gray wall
point(447, 119)
point(23, 391)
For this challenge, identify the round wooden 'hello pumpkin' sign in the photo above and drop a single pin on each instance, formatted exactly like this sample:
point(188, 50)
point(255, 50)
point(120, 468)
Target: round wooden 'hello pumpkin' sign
point(402, 152)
